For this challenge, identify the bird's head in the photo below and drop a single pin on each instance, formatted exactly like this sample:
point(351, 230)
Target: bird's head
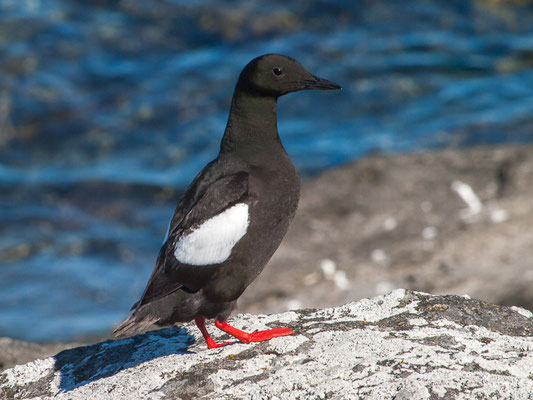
point(276, 75)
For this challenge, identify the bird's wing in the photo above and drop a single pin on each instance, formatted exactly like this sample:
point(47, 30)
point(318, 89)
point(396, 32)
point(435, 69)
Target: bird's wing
point(198, 205)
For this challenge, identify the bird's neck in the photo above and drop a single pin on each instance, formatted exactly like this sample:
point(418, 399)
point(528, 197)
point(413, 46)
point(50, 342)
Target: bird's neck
point(252, 128)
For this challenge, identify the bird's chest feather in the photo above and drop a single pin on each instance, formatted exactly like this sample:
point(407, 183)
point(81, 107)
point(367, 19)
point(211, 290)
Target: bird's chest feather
point(273, 200)
point(271, 205)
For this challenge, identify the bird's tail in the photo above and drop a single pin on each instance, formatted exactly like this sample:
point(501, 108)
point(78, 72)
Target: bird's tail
point(134, 325)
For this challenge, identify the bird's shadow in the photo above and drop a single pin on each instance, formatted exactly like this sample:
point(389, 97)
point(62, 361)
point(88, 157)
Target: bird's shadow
point(82, 365)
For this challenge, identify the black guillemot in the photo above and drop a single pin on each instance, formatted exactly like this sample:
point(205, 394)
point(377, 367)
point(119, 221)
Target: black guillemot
point(233, 216)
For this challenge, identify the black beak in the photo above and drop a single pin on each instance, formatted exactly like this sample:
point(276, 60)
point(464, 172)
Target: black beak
point(319, 83)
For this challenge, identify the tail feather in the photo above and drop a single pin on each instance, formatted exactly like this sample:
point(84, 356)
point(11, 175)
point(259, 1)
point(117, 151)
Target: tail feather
point(134, 325)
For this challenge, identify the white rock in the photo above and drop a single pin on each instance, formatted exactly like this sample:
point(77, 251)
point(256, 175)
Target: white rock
point(499, 215)
point(403, 345)
point(390, 224)
point(429, 232)
point(379, 256)
point(328, 267)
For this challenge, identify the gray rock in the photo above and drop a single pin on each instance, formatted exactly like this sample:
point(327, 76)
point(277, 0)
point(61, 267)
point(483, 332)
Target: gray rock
point(397, 221)
point(403, 345)
point(13, 352)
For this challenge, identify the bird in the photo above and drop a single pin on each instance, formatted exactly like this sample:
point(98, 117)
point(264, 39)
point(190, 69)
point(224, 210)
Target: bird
point(233, 216)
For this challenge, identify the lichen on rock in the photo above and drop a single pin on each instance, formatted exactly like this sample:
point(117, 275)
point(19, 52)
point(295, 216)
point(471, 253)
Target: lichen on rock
point(402, 345)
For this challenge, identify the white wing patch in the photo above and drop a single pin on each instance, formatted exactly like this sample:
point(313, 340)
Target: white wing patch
point(212, 241)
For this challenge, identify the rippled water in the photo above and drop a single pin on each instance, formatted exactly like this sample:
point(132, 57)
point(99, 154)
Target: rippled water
point(109, 108)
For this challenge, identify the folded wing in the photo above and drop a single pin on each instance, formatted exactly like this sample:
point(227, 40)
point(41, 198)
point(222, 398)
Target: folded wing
point(208, 222)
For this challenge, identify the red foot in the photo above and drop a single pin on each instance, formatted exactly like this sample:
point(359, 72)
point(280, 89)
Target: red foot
point(200, 323)
point(259, 336)
point(244, 337)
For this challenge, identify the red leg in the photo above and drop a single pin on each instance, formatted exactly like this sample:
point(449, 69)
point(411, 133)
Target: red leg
point(200, 323)
point(259, 336)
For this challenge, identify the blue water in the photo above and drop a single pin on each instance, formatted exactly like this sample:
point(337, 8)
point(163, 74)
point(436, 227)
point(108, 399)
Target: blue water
point(109, 108)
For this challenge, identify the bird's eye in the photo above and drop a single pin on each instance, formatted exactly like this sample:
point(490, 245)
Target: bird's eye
point(277, 71)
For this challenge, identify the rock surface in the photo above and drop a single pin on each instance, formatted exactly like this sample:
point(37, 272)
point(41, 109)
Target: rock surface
point(13, 352)
point(400, 221)
point(403, 345)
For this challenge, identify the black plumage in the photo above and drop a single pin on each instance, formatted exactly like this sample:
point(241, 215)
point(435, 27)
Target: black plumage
point(251, 183)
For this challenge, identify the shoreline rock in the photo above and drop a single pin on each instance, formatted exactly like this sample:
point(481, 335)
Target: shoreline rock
point(390, 221)
point(14, 352)
point(402, 345)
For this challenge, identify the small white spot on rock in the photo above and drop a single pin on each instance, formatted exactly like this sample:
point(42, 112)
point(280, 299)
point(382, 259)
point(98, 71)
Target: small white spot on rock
point(379, 256)
point(467, 194)
point(429, 232)
point(499, 215)
point(390, 224)
point(341, 280)
point(522, 311)
point(328, 267)
point(418, 322)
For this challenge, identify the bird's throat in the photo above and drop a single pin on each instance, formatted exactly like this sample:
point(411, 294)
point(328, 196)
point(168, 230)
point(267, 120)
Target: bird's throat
point(252, 125)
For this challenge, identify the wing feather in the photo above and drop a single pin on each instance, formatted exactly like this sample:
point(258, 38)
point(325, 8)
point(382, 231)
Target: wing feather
point(199, 203)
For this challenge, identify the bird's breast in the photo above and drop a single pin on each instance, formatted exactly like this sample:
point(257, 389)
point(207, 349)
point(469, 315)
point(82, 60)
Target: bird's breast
point(272, 202)
point(274, 195)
